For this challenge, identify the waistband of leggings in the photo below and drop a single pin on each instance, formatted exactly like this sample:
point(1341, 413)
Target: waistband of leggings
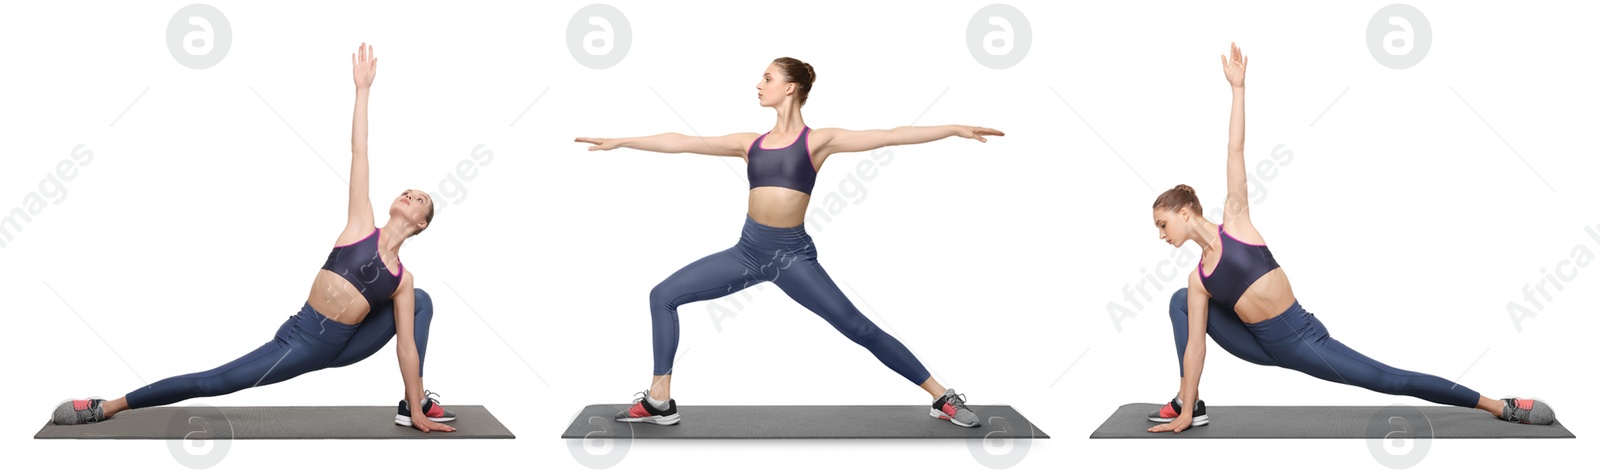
point(319, 326)
point(750, 222)
point(1286, 324)
point(771, 235)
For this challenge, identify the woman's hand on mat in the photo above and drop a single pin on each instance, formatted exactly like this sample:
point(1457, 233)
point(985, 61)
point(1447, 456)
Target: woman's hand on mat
point(364, 65)
point(426, 425)
point(977, 133)
point(1177, 425)
point(599, 144)
point(1233, 68)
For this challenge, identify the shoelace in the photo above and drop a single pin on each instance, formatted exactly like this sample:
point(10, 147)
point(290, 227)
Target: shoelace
point(95, 412)
point(1512, 412)
point(639, 397)
point(959, 401)
point(430, 395)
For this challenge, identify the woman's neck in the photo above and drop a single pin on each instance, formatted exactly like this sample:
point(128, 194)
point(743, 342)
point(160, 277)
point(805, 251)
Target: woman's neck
point(1209, 234)
point(395, 231)
point(789, 120)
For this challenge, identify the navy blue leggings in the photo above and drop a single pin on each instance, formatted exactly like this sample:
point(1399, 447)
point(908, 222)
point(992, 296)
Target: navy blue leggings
point(787, 258)
point(306, 342)
point(1296, 340)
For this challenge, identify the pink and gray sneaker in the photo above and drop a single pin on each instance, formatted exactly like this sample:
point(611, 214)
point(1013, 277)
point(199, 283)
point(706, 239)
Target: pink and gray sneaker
point(79, 411)
point(643, 410)
point(1171, 410)
point(1527, 411)
point(953, 407)
point(430, 408)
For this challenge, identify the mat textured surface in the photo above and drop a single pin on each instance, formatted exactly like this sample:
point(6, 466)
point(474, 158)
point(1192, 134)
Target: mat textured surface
point(803, 422)
point(1330, 422)
point(300, 422)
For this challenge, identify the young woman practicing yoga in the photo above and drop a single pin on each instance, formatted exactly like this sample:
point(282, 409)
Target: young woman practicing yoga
point(1240, 297)
point(360, 299)
point(782, 166)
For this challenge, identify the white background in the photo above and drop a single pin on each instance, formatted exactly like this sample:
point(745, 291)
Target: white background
point(1407, 221)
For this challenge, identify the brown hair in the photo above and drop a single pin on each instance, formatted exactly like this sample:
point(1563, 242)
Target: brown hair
point(1179, 197)
point(798, 72)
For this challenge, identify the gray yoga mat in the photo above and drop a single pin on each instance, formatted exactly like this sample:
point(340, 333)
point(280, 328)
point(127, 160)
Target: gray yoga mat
point(803, 422)
point(303, 422)
point(1330, 422)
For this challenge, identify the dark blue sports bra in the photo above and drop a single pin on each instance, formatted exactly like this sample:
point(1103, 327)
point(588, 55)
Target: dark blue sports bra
point(359, 263)
point(789, 167)
point(1235, 270)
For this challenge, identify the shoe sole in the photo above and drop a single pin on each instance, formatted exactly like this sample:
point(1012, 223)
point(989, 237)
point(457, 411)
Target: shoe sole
point(1198, 421)
point(406, 421)
point(657, 420)
point(937, 414)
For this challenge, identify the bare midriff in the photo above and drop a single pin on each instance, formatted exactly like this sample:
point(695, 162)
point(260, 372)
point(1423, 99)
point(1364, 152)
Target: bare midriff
point(777, 206)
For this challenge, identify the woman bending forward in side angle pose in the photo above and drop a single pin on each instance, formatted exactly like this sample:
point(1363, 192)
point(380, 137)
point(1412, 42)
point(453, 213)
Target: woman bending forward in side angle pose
point(774, 247)
point(1240, 297)
point(361, 298)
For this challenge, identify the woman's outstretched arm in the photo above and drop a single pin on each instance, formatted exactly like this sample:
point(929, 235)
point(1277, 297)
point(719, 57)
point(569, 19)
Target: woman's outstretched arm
point(1237, 207)
point(364, 67)
point(731, 145)
point(832, 141)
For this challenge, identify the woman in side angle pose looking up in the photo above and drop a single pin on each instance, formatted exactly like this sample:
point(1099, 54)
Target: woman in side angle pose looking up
point(362, 297)
point(1240, 296)
point(782, 166)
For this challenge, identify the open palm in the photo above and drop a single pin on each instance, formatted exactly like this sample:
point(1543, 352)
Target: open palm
point(364, 66)
point(1233, 68)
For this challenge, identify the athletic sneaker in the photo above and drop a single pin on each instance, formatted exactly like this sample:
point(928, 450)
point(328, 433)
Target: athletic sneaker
point(79, 411)
point(430, 408)
point(953, 407)
point(644, 411)
point(1527, 411)
point(1170, 412)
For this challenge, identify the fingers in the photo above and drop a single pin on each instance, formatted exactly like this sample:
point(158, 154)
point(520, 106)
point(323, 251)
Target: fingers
point(363, 55)
point(599, 144)
point(426, 425)
point(440, 427)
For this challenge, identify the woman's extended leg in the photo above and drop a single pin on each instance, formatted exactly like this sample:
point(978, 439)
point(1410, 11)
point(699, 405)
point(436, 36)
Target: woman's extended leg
point(1300, 342)
point(304, 343)
point(805, 281)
